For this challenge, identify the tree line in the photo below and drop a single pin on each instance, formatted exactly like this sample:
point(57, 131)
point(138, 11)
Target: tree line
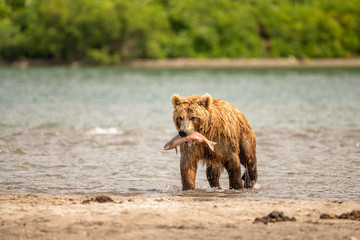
point(112, 31)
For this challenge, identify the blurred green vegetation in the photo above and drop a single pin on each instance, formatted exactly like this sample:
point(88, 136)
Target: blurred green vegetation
point(111, 31)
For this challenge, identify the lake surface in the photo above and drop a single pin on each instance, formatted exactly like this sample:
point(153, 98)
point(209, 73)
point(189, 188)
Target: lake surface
point(101, 130)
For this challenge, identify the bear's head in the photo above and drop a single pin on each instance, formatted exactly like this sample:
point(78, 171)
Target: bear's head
point(191, 113)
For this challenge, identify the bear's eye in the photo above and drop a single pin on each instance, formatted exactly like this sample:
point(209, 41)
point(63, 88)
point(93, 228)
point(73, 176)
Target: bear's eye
point(180, 118)
point(193, 119)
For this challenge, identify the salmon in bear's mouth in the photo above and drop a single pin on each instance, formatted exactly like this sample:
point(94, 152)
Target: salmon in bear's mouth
point(178, 140)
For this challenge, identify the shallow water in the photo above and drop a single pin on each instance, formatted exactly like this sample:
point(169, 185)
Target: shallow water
point(102, 130)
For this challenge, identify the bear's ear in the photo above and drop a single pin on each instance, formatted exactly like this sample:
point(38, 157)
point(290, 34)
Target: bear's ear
point(176, 100)
point(206, 101)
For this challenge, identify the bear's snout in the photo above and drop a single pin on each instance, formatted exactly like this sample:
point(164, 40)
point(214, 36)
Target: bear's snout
point(182, 133)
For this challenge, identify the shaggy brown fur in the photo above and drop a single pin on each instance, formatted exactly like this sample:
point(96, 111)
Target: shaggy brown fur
point(220, 122)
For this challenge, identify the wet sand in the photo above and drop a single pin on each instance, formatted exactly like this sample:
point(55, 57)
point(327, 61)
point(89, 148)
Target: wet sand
point(169, 217)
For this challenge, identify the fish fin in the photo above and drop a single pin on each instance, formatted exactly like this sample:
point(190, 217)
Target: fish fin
point(176, 150)
point(189, 143)
point(211, 145)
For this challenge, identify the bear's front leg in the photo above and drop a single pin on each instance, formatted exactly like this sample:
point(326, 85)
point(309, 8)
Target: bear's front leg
point(188, 167)
point(213, 176)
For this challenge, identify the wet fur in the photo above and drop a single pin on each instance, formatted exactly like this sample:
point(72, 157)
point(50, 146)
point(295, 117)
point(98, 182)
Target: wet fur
point(220, 122)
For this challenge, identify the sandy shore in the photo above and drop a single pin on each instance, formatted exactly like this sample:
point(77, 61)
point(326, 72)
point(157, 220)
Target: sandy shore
point(208, 63)
point(248, 63)
point(169, 217)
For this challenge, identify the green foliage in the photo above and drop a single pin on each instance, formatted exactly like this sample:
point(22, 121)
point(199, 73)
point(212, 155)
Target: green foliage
point(110, 31)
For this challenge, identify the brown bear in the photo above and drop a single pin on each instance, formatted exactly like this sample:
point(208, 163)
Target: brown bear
point(220, 122)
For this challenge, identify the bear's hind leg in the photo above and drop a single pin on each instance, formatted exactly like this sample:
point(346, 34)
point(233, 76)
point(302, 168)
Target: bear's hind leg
point(248, 160)
point(233, 168)
point(213, 176)
point(250, 174)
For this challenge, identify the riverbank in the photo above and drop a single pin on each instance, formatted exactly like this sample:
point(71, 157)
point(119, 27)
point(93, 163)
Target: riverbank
point(169, 217)
point(248, 63)
point(207, 63)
